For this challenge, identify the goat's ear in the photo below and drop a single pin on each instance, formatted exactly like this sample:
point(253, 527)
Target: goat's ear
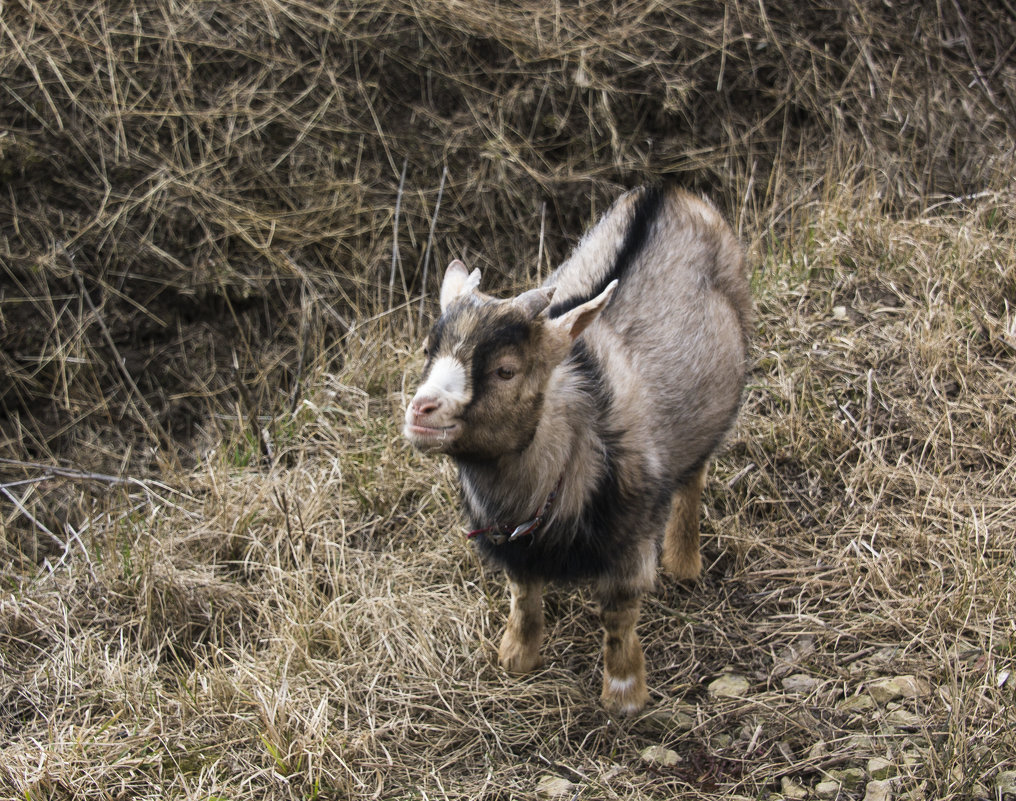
point(575, 321)
point(534, 301)
point(458, 281)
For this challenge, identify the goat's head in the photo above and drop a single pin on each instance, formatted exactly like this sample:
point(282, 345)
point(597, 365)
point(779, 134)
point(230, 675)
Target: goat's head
point(488, 363)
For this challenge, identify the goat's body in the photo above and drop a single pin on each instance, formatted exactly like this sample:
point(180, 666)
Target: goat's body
point(644, 398)
point(601, 410)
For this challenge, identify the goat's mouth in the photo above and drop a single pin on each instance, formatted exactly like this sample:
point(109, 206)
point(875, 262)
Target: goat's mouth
point(431, 436)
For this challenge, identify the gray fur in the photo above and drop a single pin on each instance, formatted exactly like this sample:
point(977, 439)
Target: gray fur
point(617, 393)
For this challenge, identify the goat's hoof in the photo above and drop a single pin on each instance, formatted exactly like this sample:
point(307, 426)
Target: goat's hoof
point(517, 657)
point(624, 697)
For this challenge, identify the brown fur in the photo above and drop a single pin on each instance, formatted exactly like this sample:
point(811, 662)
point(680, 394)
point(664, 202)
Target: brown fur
point(523, 636)
point(613, 399)
point(680, 556)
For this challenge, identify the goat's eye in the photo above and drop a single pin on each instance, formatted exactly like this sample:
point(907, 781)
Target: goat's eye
point(505, 373)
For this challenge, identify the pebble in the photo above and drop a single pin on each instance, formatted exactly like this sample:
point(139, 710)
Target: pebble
point(889, 689)
point(792, 789)
point(555, 787)
point(880, 768)
point(800, 683)
point(791, 656)
point(666, 721)
point(729, 685)
point(904, 719)
point(857, 703)
point(827, 789)
point(1005, 783)
point(878, 790)
point(818, 750)
point(658, 755)
point(850, 779)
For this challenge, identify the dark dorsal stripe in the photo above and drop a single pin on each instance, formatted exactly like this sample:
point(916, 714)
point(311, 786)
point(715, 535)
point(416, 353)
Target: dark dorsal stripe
point(647, 208)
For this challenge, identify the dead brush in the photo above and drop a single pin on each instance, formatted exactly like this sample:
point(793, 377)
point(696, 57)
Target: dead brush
point(273, 601)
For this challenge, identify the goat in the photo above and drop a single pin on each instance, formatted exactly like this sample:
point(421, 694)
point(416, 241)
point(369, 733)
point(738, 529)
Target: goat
point(582, 414)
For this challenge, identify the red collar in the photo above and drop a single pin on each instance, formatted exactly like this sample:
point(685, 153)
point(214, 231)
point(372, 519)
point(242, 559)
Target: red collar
point(500, 533)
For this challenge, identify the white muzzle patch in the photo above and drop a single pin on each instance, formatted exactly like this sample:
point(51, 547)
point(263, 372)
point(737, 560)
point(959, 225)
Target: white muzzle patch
point(446, 382)
point(444, 388)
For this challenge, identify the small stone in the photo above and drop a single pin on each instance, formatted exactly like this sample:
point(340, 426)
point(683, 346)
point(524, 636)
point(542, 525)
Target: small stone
point(880, 768)
point(792, 789)
point(878, 791)
point(555, 787)
point(918, 793)
point(666, 721)
point(658, 755)
point(840, 312)
point(850, 779)
point(729, 685)
point(800, 683)
point(859, 742)
point(913, 687)
point(885, 690)
point(1005, 783)
point(904, 719)
point(818, 750)
point(827, 789)
point(792, 655)
point(857, 703)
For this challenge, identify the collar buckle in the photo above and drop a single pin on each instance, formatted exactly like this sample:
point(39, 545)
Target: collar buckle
point(499, 534)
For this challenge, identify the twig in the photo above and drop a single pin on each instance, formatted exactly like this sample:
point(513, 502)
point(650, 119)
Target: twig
point(54, 471)
point(723, 50)
point(31, 517)
point(65, 472)
point(23, 482)
point(430, 243)
point(539, 249)
point(869, 405)
point(294, 395)
point(740, 475)
point(75, 537)
point(395, 234)
point(578, 774)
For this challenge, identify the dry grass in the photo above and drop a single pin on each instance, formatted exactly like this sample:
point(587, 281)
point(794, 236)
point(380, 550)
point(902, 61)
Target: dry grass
point(225, 576)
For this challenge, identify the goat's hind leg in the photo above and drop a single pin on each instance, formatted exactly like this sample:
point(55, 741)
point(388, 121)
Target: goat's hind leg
point(520, 645)
point(681, 557)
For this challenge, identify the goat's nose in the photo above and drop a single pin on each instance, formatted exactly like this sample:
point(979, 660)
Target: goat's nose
point(424, 406)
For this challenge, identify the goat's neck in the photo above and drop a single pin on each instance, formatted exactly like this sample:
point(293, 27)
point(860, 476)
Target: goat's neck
point(566, 448)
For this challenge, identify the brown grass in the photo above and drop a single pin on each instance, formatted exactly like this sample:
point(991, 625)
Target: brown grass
point(225, 575)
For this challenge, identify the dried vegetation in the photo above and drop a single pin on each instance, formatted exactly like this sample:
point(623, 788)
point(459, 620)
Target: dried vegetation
point(221, 225)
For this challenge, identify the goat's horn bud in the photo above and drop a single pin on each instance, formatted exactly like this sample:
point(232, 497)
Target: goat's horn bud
point(534, 301)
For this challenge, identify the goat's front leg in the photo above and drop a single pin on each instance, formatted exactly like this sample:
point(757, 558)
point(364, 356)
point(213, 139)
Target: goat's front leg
point(624, 669)
point(520, 646)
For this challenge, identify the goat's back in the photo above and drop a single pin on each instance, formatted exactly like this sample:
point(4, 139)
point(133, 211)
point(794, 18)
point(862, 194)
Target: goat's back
point(672, 344)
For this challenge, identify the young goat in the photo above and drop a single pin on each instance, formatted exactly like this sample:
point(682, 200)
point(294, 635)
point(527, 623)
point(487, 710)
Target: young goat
point(582, 415)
